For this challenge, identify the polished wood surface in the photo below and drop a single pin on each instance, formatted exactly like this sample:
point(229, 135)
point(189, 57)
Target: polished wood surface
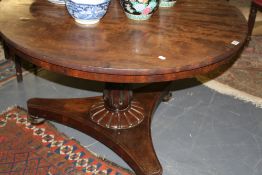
point(191, 35)
point(117, 109)
point(192, 38)
point(134, 145)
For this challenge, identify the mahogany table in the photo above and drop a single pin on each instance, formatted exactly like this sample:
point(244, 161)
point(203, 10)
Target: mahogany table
point(192, 38)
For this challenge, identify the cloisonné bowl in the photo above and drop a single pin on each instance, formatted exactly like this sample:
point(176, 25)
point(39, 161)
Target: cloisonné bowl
point(87, 11)
point(139, 9)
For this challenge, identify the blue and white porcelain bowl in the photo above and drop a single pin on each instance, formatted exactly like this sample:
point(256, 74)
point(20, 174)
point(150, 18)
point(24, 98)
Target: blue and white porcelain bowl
point(87, 11)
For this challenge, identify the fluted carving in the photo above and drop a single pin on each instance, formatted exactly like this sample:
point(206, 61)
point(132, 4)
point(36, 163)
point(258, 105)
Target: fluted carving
point(120, 119)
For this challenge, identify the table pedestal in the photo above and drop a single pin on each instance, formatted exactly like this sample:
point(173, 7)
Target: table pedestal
point(117, 109)
point(120, 119)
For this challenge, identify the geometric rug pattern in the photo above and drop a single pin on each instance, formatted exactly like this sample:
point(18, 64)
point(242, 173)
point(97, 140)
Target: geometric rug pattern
point(27, 149)
point(7, 71)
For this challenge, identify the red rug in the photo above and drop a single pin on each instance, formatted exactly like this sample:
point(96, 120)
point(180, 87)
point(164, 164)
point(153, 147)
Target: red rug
point(27, 149)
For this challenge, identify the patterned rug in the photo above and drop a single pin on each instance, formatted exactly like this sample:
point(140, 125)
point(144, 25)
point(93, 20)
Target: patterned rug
point(7, 71)
point(2, 55)
point(243, 79)
point(41, 150)
point(7, 68)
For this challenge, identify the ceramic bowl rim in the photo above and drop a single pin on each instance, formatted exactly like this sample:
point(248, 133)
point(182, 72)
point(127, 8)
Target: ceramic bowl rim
point(87, 4)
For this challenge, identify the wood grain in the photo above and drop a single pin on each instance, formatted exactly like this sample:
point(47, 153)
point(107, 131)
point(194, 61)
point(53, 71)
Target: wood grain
point(192, 38)
point(191, 35)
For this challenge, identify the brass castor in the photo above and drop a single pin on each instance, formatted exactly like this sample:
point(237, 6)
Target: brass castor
point(35, 120)
point(167, 97)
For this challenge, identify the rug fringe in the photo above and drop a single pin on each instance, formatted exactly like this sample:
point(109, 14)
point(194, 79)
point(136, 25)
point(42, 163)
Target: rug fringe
point(227, 90)
point(102, 157)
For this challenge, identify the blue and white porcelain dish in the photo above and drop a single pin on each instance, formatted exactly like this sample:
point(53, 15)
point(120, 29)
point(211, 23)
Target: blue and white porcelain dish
point(87, 11)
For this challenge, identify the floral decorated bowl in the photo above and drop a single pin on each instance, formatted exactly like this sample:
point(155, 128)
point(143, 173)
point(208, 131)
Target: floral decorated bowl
point(87, 11)
point(139, 9)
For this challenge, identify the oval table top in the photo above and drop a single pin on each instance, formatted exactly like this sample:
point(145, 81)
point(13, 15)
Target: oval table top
point(174, 43)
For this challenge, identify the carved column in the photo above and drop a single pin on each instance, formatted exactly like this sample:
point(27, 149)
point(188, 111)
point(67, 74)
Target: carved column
point(117, 109)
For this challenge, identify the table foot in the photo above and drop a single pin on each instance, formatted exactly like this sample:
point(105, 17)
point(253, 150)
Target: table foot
point(134, 144)
point(167, 97)
point(35, 120)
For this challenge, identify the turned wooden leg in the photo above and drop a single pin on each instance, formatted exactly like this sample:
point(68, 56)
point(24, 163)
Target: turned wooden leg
point(251, 19)
point(35, 69)
point(6, 51)
point(18, 67)
point(121, 119)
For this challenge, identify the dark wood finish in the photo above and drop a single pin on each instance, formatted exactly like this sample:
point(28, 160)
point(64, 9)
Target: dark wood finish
point(18, 68)
point(191, 35)
point(255, 5)
point(117, 109)
point(35, 69)
point(18, 64)
point(192, 38)
point(134, 145)
point(6, 51)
